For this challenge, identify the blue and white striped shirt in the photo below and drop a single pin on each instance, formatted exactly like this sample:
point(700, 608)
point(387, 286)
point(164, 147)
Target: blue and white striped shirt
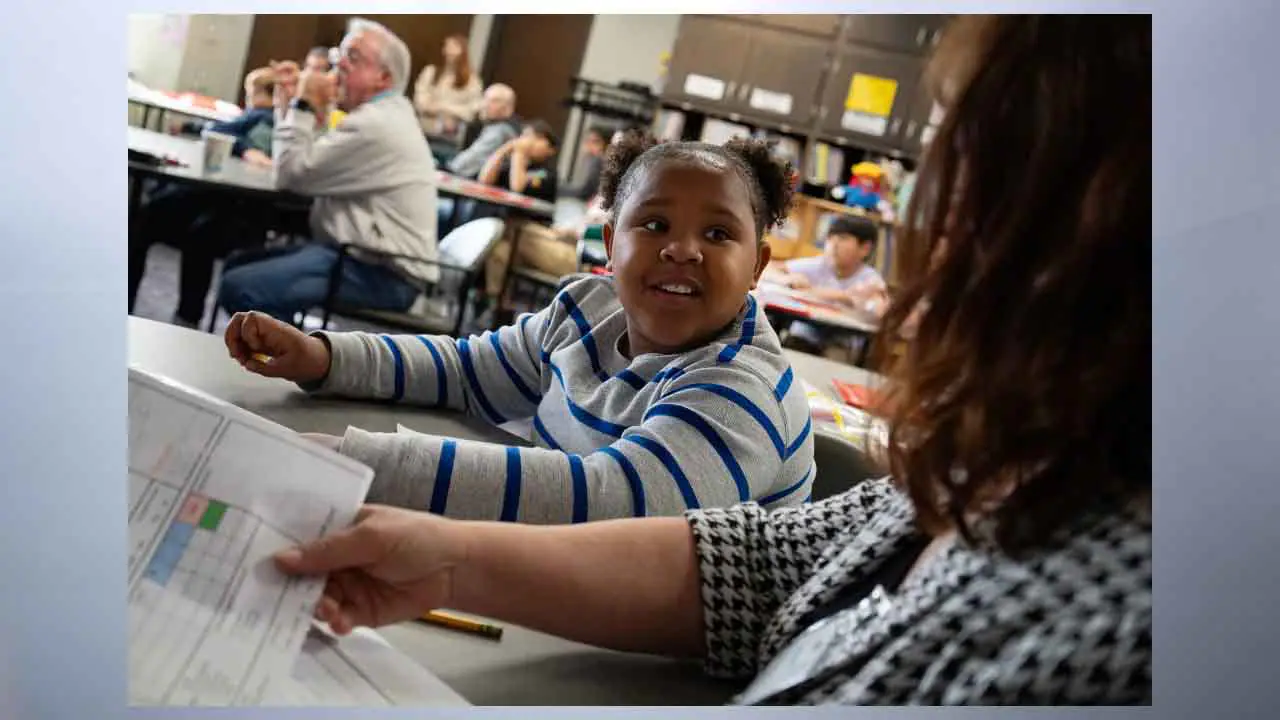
point(616, 437)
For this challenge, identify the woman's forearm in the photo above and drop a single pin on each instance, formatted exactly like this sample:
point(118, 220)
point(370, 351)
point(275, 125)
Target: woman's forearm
point(629, 585)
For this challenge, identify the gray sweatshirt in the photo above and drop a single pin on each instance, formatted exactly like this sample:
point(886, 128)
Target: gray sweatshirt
point(373, 179)
point(616, 437)
point(470, 161)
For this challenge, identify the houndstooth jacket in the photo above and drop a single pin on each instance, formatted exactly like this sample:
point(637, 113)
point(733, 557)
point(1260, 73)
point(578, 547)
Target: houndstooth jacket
point(1069, 626)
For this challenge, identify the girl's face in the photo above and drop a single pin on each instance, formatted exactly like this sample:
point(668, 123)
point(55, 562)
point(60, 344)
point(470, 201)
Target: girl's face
point(684, 255)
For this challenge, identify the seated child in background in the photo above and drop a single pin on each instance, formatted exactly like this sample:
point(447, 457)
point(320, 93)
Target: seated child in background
point(526, 165)
point(656, 390)
point(840, 275)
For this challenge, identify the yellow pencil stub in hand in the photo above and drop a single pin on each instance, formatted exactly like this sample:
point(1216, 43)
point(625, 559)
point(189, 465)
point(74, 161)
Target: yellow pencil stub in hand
point(264, 359)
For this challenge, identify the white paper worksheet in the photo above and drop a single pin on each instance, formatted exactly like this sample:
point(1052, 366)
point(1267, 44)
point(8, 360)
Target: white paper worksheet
point(359, 670)
point(214, 491)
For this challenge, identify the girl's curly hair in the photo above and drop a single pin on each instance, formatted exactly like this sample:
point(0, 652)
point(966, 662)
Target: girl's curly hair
point(769, 179)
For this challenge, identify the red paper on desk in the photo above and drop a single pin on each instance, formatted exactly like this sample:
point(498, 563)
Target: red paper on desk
point(859, 396)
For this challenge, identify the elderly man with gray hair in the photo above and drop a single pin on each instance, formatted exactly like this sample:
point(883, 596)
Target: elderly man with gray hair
point(373, 180)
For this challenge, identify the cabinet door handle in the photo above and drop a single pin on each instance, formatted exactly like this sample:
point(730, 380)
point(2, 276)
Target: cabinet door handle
point(911, 129)
point(893, 126)
point(922, 34)
point(744, 92)
point(732, 91)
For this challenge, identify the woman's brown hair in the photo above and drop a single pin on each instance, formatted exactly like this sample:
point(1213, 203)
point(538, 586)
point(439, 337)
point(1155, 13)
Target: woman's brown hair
point(1023, 399)
point(461, 69)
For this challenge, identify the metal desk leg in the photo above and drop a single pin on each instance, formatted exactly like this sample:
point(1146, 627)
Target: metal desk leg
point(864, 352)
point(455, 212)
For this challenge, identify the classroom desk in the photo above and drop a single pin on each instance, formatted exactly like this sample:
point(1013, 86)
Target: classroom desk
point(239, 176)
point(842, 462)
point(187, 104)
point(525, 667)
point(235, 175)
point(820, 371)
point(780, 300)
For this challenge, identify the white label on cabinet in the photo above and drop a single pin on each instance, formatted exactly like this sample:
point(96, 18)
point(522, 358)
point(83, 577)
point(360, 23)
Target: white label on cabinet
point(864, 123)
point(772, 101)
point(926, 135)
point(703, 86)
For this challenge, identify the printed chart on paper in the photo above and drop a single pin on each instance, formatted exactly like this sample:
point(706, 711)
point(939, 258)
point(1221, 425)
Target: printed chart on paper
point(213, 492)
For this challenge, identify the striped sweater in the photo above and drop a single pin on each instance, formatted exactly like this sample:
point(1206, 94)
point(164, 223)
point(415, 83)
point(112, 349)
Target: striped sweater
point(615, 437)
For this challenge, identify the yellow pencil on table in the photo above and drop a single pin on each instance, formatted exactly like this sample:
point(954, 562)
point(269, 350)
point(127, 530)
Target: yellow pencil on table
point(454, 622)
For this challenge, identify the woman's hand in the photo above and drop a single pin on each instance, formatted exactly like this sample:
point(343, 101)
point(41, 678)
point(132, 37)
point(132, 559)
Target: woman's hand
point(391, 565)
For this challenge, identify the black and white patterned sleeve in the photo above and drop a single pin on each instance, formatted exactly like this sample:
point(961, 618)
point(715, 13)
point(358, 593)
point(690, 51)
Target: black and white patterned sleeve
point(751, 560)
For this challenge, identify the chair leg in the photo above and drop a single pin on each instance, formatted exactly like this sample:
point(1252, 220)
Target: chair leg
point(331, 295)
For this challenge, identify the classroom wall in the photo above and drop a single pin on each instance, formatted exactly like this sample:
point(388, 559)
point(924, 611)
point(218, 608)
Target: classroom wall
point(623, 47)
point(628, 47)
point(481, 29)
point(199, 53)
point(213, 63)
point(156, 44)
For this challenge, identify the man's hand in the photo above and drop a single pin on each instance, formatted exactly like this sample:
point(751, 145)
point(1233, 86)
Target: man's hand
point(286, 76)
point(318, 89)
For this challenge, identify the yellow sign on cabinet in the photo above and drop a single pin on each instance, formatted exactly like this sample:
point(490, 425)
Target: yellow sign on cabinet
point(871, 95)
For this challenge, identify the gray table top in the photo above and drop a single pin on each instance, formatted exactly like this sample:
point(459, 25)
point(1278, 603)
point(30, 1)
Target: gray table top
point(234, 174)
point(819, 371)
point(525, 667)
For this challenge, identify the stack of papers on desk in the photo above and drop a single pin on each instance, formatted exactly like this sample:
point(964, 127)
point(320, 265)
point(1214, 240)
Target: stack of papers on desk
point(214, 493)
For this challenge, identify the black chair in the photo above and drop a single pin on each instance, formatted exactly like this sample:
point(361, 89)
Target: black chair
point(442, 306)
point(840, 466)
point(591, 250)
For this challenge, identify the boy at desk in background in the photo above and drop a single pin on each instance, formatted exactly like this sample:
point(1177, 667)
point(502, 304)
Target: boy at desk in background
point(841, 275)
point(659, 389)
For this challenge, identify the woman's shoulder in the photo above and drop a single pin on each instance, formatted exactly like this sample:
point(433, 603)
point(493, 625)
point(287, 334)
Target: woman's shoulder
point(1070, 624)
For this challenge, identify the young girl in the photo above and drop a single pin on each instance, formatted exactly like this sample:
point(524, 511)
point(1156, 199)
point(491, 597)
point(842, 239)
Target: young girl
point(657, 390)
point(1008, 559)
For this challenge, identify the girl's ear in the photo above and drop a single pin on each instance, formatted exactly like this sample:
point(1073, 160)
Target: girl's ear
point(763, 254)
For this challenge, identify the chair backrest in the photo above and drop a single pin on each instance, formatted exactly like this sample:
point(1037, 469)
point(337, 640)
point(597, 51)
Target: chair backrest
point(840, 466)
point(469, 244)
point(591, 250)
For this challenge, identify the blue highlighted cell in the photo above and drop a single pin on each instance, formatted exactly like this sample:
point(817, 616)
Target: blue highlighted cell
point(180, 533)
point(160, 570)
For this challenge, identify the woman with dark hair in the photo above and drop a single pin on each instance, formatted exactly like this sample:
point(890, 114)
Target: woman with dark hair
point(1007, 559)
point(448, 96)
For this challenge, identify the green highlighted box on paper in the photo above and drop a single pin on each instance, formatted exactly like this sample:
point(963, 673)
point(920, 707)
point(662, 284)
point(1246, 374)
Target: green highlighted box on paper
point(213, 515)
